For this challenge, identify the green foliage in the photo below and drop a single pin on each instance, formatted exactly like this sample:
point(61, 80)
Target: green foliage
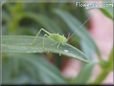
point(23, 63)
point(26, 70)
point(22, 44)
point(108, 12)
point(85, 73)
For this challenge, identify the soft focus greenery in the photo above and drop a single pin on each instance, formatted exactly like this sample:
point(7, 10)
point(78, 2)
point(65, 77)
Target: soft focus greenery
point(25, 64)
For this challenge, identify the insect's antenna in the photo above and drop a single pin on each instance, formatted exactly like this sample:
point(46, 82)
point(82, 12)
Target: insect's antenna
point(69, 35)
point(83, 23)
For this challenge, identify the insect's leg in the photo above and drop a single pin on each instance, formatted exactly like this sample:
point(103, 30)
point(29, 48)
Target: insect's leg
point(34, 40)
point(45, 31)
point(68, 37)
point(58, 47)
point(43, 39)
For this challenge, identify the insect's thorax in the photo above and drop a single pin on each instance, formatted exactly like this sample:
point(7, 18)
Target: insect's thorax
point(58, 38)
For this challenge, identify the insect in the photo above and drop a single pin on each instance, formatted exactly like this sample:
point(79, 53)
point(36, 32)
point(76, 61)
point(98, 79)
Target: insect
point(60, 39)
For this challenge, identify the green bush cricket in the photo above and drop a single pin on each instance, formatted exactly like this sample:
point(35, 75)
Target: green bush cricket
point(60, 39)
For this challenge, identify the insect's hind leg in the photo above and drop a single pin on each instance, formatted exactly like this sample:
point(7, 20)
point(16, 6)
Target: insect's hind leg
point(43, 39)
point(58, 45)
point(45, 31)
point(34, 40)
point(38, 33)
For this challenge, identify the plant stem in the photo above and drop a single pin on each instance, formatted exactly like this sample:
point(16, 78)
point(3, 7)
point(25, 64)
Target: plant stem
point(102, 76)
point(107, 67)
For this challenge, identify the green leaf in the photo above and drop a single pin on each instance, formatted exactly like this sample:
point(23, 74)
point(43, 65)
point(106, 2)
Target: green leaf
point(108, 12)
point(41, 70)
point(87, 50)
point(84, 74)
point(21, 44)
point(9, 69)
point(110, 60)
point(81, 32)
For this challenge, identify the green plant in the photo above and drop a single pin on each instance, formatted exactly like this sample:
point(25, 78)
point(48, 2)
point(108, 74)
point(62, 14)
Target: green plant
point(25, 64)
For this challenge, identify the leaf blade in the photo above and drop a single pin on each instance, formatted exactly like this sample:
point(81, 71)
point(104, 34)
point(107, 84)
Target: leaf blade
point(21, 44)
point(44, 67)
point(85, 73)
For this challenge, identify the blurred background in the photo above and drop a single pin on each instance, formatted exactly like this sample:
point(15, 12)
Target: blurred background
point(28, 17)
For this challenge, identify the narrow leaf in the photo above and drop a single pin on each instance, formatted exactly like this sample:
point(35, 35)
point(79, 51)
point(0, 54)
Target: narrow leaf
point(108, 12)
point(85, 74)
point(21, 44)
point(40, 67)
